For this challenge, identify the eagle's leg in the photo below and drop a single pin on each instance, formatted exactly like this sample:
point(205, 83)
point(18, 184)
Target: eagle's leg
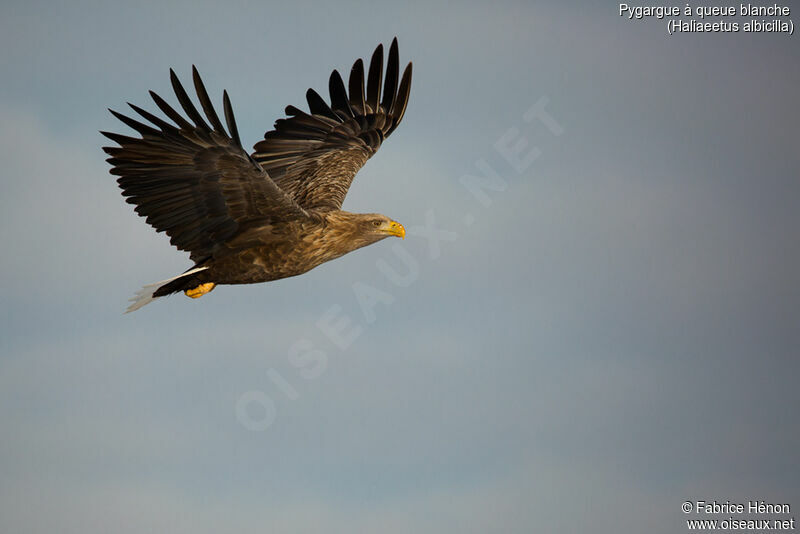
point(200, 290)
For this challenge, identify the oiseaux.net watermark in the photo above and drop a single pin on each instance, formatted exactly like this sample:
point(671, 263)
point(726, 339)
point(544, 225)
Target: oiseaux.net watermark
point(336, 331)
point(753, 515)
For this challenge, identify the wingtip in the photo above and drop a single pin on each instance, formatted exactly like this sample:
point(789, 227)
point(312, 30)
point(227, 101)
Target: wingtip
point(196, 76)
point(230, 118)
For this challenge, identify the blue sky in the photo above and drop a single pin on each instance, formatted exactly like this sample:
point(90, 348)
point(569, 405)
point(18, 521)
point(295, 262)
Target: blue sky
point(610, 332)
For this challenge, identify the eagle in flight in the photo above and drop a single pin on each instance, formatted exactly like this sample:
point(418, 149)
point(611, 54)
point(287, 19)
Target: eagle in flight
point(249, 218)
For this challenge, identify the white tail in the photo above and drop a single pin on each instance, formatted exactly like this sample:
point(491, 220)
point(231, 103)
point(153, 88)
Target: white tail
point(145, 295)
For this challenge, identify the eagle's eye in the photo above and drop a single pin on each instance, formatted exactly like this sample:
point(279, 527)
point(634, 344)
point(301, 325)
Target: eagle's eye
point(377, 222)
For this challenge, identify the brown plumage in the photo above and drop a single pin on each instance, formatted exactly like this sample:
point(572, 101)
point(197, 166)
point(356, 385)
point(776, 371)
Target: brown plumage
point(270, 214)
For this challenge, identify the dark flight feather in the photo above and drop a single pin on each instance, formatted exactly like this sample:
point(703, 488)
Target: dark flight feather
point(186, 102)
point(318, 106)
point(374, 80)
point(230, 119)
point(401, 101)
point(339, 100)
point(170, 112)
point(205, 101)
point(356, 87)
point(392, 70)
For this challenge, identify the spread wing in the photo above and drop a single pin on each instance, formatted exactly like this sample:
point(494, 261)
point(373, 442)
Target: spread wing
point(314, 156)
point(194, 181)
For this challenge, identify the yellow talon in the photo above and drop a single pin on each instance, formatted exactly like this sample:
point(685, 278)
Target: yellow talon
point(200, 290)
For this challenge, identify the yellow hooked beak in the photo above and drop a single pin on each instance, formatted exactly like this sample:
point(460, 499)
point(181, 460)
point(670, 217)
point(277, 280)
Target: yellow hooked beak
point(396, 229)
